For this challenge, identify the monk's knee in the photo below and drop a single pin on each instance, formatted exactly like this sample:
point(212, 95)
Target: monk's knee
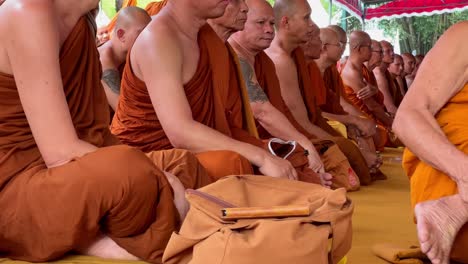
point(223, 163)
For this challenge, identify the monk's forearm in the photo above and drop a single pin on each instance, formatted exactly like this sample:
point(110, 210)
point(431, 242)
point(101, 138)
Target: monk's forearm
point(63, 155)
point(350, 108)
point(112, 96)
point(315, 130)
point(345, 119)
point(202, 138)
point(421, 133)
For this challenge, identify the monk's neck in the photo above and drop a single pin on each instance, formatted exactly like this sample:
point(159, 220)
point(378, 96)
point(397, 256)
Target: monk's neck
point(281, 42)
point(118, 53)
point(356, 61)
point(222, 32)
point(323, 64)
point(185, 20)
point(242, 51)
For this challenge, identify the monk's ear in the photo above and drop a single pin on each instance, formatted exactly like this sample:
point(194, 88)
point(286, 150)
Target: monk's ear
point(284, 21)
point(121, 34)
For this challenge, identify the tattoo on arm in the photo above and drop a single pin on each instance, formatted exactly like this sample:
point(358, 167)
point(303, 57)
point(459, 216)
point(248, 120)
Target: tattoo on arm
point(112, 78)
point(256, 93)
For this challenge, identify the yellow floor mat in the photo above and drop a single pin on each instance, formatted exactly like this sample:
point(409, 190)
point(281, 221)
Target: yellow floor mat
point(382, 212)
point(382, 215)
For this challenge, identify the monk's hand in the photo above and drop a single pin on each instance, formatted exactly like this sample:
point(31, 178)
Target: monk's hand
point(277, 167)
point(326, 179)
point(180, 201)
point(367, 92)
point(367, 128)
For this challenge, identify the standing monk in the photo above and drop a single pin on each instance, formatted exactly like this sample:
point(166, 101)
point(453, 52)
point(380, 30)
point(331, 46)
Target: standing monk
point(396, 71)
point(383, 77)
point(64, 185)
point(294, 28)
point(113, 54)
point(432, 122)
point(409, 63)
point(171, 86)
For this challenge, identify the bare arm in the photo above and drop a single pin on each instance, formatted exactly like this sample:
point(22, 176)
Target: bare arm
point(158, 55)
point(382, 84)
point(442, 75)
point(275, 122)
point(294, 100)
point(111, 80)
point(36, 68)
point(354, 79)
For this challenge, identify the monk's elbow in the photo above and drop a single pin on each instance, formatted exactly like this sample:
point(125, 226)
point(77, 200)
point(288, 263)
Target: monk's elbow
point(399, 122)
point(178, 137)
point(259, 111)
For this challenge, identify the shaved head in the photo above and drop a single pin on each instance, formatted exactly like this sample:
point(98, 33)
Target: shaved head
point(360, 45)
point(131, 16)
point(332, 48)
point(409, 62)
point(341, 33)
point(341, 36)
point(358, 39)
point(377, 55)
point(259, 30)
point(314, 45)
point(387, 49)
point(283, 8)
point(292, 17)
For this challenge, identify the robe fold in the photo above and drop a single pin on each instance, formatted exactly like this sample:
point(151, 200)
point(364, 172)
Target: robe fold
point(136, 123)
point(352, 98)
point(230, 84)
point(334, 89)
point(154, 7)
point(308, 82)
point(394, 88)
point(116, 190)
point(428, 183)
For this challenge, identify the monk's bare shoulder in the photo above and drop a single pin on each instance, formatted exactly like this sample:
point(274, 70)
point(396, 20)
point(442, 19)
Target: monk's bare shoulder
point(16, 15)
point(158, 42)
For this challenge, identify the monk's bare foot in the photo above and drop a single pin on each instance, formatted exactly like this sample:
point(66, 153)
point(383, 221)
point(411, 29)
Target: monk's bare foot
point(105, 247)
point(438, 224)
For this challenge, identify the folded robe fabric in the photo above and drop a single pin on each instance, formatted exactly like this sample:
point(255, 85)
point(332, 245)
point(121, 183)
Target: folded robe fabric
point(334, 90)
point(399, 255)
point(311, 79)
point(428, 183)
point(49, 212)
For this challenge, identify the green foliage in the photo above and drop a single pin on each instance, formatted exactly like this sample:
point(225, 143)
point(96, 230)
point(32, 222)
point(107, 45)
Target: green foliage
point(109, 6)
point(420, 33)
point(271, 2)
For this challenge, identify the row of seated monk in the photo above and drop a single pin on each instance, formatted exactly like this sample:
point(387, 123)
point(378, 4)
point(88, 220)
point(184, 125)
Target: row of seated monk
point(199, 90)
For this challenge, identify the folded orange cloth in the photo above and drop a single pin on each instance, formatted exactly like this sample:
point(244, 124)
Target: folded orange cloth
point(399, 255)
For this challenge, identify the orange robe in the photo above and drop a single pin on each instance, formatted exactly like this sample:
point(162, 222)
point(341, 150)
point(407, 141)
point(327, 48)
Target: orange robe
point(428, 183)
point(310, 79)
point(136, 123)
point(126, 3)
point(49, 212)
point(154, 7)
point(334, 88)
point(394, 88)
point(351, 97)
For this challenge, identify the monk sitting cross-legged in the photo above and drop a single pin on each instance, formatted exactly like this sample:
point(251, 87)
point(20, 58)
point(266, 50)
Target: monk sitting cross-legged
point(203, 97)
point(357, 76)
point(396, 71)
point(65, 185)
point(324, 59)
point(432, 122)
point(294, 28)
point(384, 78)
point(409, 62)
point(113, 54)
